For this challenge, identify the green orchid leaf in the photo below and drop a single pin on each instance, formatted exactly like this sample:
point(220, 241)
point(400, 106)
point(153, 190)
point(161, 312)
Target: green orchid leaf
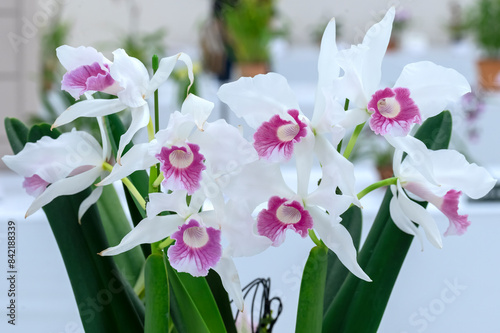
point(222, 299)
point(17, 133)
point(184, 311)
point(113, 304)
point(116, 226)
point(310, 307)
point(336, 272)
point(157, 295)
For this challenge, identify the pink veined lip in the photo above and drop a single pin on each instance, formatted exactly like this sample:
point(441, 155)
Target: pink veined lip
point(34, 185)
point(196, 249)
point(182, 167)
point(393, 112)
point(449, 207)
point(281, 215)
point(275, 138)
point(87, 78)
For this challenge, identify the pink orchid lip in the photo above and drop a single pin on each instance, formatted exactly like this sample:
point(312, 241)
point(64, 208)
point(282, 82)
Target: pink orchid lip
point(281, 215)
point(91, 77)
point(35, 185)
point(448, 205)
point(196, 249)
point(275, 138)
point(182, 167)
point(393, 112)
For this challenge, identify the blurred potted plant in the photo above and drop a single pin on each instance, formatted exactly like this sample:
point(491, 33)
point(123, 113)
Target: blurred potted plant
point(484, 24)
point(249, 29)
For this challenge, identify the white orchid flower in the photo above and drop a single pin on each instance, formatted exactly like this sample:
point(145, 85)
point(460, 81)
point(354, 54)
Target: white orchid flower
point(298, 211)
point(197, 235)
point(184, 152)
point(126, 77)
point(422, 90)
point(452, 175)
point(62, 166)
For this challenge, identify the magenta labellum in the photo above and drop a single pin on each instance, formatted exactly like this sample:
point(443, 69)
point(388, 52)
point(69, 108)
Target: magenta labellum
point(393, 112)
point(196, 249)
point(89, 78)
point(275, 138)
point(449, 207)
point(34, 185)
point(182, 167)
point(282, 214)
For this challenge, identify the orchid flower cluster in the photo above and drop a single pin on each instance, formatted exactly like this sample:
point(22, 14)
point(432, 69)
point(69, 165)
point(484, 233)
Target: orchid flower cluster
point(217, 195)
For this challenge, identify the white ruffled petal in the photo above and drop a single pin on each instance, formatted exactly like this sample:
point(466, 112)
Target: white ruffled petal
point(74, 57)
point(89, 108)
point(140, 119)
point(137, 158)
point(257, 99)
point(421, 216)
point(149, 230)
point(401, 220)
point(165, 68)
point(338, 239)
point(132, 76)
point(230, 279)
point(89, 201)
point(65, 186)
point(198, 108)
point(432, 87)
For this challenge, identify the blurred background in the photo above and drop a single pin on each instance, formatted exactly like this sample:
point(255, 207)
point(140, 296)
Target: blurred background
point(267, 35)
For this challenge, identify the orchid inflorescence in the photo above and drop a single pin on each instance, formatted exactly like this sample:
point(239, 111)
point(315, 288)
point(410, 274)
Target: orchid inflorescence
point(226, 196)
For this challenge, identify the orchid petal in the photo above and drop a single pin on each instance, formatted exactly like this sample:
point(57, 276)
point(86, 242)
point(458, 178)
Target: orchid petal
point(54, 159)
point(65, 186)
point(89, 201)
point(421, 216)
point(401, 220)
point(418, 154)
point(376, 39)
point(89, 108)
point(260, 181)
point(106, 147)
point(132, 76)
point(238, 229)
point(304, 154)
point(432, 87)
point(328, 70)
point(257, 99)
point(149, 230)
point(140, 119)
point(137, 158)
point(165, 68)
point(71, 57)
point(337, 170)
point(178, 130)
point(225, 150)
point(338, 239)
point(230, 279)
point(163, 202)
point(199, 108)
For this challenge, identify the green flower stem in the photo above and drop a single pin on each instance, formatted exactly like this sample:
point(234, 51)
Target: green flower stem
point(158, 180)
point(133, 190)
point(352, 140)
point(315, 238)
point(165, 243)
point(151, 130)
point(374, 186)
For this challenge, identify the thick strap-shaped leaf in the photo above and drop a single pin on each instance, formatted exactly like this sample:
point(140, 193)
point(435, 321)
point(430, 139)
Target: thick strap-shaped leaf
point(359, 305)
point(17, 133)
point(116, 226)
point(122, 309)
point(157, 295)
point(310, 308)
point(222, 299)
point(183, 310)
